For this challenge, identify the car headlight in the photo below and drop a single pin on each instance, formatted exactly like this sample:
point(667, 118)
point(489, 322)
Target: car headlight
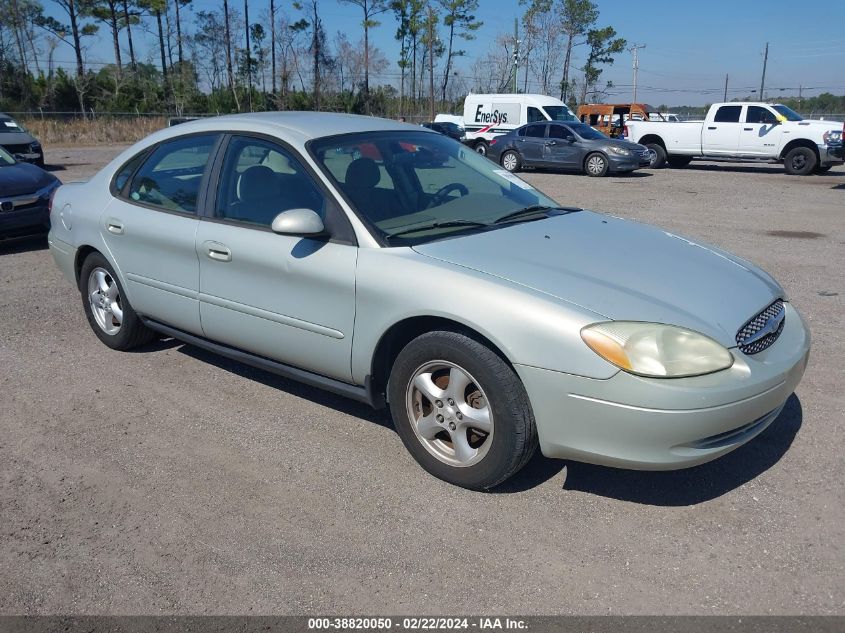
point(832, 137)
point(35, 147)
point(619, 151)
point(656, 350)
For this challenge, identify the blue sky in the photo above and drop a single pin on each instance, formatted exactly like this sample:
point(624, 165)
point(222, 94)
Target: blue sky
point(690, 46)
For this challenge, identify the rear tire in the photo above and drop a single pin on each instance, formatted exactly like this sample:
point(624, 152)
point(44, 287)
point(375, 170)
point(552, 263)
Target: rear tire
point(461, 410)
point(482, 147)
point(511, 160)
point(800, 161)
point(679, 162)
point(596, 165)
point(106, 307)
point(658, 156)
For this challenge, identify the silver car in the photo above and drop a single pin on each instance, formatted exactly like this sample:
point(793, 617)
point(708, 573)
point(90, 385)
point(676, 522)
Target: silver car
point(393, 265)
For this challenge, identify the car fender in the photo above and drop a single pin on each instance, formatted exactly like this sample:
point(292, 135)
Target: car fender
point(526, 326)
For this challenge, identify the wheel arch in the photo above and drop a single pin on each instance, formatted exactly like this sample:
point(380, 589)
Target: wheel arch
point(653, 138)
point(398, 335)
point(82, 254)
point(799, 142)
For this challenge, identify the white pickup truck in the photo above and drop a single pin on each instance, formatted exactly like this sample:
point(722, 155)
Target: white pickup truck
point(744, 132)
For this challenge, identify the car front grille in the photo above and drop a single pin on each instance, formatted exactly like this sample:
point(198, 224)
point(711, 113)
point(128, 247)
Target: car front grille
point(763, 330)
point(17, 149)
point(643, 153)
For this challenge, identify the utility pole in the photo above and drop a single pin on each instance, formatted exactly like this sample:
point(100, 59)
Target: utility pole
point(763, 80)
point(800, 94)
point(635, 51)
point(248, 60)
point(726, 88)
point(431, 63)
point(515, 55)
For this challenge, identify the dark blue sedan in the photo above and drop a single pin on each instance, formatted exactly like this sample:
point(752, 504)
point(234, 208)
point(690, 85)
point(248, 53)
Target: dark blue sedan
point(25, 191)
point(569, 146)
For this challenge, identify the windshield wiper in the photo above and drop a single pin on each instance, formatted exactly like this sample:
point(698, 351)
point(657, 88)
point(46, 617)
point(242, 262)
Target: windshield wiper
point(534, 209)
point(437, 225)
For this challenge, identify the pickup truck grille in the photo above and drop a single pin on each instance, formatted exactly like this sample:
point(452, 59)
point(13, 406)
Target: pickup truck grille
point(763, 330)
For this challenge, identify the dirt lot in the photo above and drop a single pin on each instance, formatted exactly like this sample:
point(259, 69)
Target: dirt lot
point(172, 481)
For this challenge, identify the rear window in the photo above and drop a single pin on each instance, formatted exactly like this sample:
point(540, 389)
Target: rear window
point(728, 114)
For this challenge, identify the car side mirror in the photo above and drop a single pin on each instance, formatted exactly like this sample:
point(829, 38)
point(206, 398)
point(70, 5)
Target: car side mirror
point(303, 222)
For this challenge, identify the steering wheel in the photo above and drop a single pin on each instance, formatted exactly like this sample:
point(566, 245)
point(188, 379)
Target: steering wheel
point(441, 196)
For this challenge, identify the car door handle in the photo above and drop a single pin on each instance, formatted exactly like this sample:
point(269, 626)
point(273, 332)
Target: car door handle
point(551, 142)
point(115, 227)
point(218, 252)
point(748, 129)
point(712, 127)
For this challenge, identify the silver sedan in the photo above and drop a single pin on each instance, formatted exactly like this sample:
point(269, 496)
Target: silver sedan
point(393, 265)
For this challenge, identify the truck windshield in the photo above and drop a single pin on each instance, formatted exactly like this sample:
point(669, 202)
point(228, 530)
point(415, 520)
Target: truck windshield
point(790, 115)
point(559, 113)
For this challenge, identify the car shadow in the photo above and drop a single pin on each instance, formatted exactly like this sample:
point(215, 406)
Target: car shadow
point(758, 168)
point(13, 245)
point(700, 483)
point(52, 168)
point(839, 186)
point(300, 390)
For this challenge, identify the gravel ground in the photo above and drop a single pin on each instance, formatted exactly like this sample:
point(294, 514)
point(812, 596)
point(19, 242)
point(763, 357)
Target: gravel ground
point(172, 481)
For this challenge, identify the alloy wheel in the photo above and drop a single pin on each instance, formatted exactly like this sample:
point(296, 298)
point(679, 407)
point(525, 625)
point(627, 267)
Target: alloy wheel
point(450, 413)
point(104, 297)
point(595, 165)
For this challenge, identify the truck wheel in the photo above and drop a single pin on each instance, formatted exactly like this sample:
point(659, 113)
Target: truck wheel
point(595, 165)
point(657, 155)
point(482, 147)
point(511, 160)
point(461, 410)
point(679, 162)
point(800, 161)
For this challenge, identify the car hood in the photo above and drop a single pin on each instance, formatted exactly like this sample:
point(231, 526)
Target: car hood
point(16, 138)
point(23, 178)
point(620, 270)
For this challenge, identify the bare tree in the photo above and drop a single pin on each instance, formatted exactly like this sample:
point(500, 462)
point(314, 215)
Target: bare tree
point(459, 19)
point(371, 8)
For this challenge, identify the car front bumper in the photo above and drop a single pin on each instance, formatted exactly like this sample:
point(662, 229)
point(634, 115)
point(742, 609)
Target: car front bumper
point(625, 163)
point(830, 155)
point(663, 424)
point(23, 219)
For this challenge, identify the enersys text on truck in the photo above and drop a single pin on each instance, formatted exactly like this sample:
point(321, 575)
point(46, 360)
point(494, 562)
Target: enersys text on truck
point(487, 116)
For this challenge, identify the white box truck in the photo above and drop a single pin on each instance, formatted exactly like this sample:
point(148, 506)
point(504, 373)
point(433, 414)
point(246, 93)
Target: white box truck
point(486, 116)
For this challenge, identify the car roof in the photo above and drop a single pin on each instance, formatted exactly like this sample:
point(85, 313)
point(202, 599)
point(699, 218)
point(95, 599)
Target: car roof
point(298, 127)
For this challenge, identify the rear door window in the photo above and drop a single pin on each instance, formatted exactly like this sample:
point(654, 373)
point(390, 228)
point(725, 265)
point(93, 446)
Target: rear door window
point(728, 114)
point(170, 178)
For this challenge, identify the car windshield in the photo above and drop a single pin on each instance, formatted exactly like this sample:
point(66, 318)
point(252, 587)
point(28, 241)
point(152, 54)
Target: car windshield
point(791, 115)
point(406, 180)
point(6, 158)
point(588, 133)
point(559, 113)
point(8, 126)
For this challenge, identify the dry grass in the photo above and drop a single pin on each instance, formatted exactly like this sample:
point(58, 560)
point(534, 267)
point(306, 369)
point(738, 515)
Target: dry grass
point(80, 132)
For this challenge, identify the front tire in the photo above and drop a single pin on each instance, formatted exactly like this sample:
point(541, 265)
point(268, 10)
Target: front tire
point(461, 410)
point(596, 165)
point(800, 161)
point(108, 310)
point(511, 161)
